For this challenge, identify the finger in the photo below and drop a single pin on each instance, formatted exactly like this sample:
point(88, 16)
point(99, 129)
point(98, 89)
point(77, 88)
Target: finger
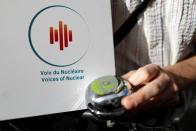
point(167, 98)
point(144, 94)
point(144, 74)
point(127, 75)
point(174, 101)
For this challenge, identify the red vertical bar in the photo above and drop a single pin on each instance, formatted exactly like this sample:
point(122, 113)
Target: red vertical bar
point(65, 35)
point(61, 35)
point(51, 36)
point(56, 35)
point(70, 36)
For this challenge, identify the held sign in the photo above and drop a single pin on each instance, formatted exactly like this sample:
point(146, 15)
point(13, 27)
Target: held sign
point(50, 52)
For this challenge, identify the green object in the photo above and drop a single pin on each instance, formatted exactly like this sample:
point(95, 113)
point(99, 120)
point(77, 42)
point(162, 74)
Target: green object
point(105, 85)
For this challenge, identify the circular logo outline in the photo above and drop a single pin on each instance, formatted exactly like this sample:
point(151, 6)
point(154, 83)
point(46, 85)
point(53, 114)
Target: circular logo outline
point(31, 43)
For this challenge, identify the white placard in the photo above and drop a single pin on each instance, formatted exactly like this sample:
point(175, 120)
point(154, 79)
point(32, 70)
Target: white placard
point(50, 51)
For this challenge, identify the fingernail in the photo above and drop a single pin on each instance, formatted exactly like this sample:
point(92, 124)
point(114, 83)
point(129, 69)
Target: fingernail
point(134, 79)
point(127, 103)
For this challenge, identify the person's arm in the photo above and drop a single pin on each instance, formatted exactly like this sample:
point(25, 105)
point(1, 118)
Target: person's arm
point(159, 86)
point(184, 73)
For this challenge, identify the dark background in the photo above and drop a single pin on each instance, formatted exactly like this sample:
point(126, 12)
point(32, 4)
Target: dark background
point(71, 122)
point(188, 123)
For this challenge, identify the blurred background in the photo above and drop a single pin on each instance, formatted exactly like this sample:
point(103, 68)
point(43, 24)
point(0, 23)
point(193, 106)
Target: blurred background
point(188, 123)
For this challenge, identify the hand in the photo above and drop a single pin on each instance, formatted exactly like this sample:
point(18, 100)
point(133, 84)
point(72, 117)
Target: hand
point(155, 87)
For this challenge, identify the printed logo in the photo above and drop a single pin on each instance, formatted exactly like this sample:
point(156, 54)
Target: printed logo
point(63, 35)
point(59, 36)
